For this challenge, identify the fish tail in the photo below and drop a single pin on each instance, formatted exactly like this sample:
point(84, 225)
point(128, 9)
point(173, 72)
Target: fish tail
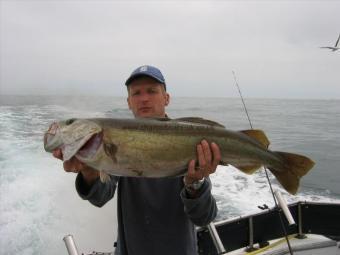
point(294, 167)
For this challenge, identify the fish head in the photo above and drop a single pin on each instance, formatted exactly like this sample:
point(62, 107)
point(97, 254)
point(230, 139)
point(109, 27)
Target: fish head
point(73, 136)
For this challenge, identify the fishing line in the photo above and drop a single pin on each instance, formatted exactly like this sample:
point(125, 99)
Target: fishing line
point(244, 105)
point(265, 169)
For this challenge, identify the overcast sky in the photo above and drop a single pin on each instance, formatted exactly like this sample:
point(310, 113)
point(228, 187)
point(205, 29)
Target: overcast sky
point(91, 47)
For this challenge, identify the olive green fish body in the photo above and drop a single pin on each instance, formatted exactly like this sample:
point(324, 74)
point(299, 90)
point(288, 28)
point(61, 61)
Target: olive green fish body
point(164, 147)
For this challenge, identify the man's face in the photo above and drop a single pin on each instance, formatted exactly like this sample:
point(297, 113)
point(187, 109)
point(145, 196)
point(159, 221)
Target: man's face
point(147, 98)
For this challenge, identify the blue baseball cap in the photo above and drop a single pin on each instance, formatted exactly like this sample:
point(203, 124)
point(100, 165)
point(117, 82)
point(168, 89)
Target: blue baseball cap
point(149, 71)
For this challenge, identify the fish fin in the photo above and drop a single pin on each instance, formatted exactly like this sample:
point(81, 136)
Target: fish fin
point(200, 121)
point(248, 169)
point(257, 135)
point(296, 166)
point(104, 177)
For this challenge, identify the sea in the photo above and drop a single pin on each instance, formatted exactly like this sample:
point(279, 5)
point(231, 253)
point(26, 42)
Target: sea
point(38, 201)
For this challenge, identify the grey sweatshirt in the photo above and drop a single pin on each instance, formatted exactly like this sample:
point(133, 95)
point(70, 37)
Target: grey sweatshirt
point(155, 216)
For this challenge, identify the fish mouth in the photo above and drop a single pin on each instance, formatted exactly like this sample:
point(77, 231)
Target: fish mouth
point(84, 148)
point(91, 146)
point(47, 139)
point(50, 143)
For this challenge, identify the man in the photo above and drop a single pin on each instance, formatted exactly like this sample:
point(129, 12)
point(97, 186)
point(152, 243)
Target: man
point(155, 215)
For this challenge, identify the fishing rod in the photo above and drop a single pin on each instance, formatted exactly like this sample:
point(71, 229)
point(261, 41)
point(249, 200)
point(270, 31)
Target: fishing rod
point(265, 169)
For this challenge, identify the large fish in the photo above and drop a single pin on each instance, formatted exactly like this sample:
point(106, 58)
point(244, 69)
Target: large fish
point(164, 147)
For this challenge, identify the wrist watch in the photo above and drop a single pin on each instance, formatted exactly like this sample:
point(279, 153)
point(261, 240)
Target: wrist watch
point(195, 185)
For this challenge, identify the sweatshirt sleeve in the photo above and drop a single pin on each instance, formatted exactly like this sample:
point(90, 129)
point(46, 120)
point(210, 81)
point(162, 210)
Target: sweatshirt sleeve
point(203, 209)
point(99, 193)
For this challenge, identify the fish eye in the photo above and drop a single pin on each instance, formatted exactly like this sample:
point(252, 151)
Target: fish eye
point(70, 121)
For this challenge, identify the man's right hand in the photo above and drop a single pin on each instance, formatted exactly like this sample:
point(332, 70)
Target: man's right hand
point(89, 174)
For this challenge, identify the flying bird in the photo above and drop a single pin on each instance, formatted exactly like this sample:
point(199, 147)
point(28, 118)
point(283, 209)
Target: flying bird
point(335, 47)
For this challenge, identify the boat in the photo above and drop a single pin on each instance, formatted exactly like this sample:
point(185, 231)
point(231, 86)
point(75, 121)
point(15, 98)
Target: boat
point(315, 230)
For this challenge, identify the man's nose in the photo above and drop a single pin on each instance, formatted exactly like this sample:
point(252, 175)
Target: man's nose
point(144, 97)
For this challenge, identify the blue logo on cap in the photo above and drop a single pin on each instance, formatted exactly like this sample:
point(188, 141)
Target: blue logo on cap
point(143, 69)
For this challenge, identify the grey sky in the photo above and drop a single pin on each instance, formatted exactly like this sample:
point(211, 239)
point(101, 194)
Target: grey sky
point(90, 47)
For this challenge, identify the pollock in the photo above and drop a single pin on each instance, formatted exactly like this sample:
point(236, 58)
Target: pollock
point(163, 147)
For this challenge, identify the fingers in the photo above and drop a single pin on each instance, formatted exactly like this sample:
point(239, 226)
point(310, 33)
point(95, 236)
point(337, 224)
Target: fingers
point(217, 156)
point(209, 157)
point(57, 153)
point(202, 160)
point(191, 169)
point(204, 157)
point(192, 175)
point(73, 165)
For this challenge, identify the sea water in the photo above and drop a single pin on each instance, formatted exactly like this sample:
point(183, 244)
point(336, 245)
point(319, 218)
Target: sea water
point(39, 204)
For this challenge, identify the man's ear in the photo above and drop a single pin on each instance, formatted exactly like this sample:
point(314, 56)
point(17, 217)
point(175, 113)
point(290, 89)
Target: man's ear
point(128, 101)
point(167, 99)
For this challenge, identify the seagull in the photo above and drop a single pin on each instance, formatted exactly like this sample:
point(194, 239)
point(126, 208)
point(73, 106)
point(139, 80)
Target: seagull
point(336, 46)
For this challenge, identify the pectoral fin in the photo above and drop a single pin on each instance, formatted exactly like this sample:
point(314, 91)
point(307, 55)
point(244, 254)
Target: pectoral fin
point(248, 169)
point(104, 177)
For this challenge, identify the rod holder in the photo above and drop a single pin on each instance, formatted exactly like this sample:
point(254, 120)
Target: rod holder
point(300, 234)
point(71, 245)
point(284, 207)
point(251, 247)
point(216, 238)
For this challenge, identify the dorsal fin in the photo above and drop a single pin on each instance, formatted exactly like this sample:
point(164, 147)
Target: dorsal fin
point(200, 121)
point(257, 135)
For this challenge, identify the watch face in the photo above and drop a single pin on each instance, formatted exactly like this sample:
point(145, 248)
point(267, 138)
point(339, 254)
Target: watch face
point(197, 185)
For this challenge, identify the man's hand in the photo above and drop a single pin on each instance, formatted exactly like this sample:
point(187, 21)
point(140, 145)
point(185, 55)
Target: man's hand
point(74, 165)
point(209, 157)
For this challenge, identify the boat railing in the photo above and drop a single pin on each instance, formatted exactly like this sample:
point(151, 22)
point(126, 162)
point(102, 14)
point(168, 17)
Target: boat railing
point(258, 228)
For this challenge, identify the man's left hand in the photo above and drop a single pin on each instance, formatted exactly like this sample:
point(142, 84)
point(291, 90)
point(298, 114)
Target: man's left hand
point(209, 156)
